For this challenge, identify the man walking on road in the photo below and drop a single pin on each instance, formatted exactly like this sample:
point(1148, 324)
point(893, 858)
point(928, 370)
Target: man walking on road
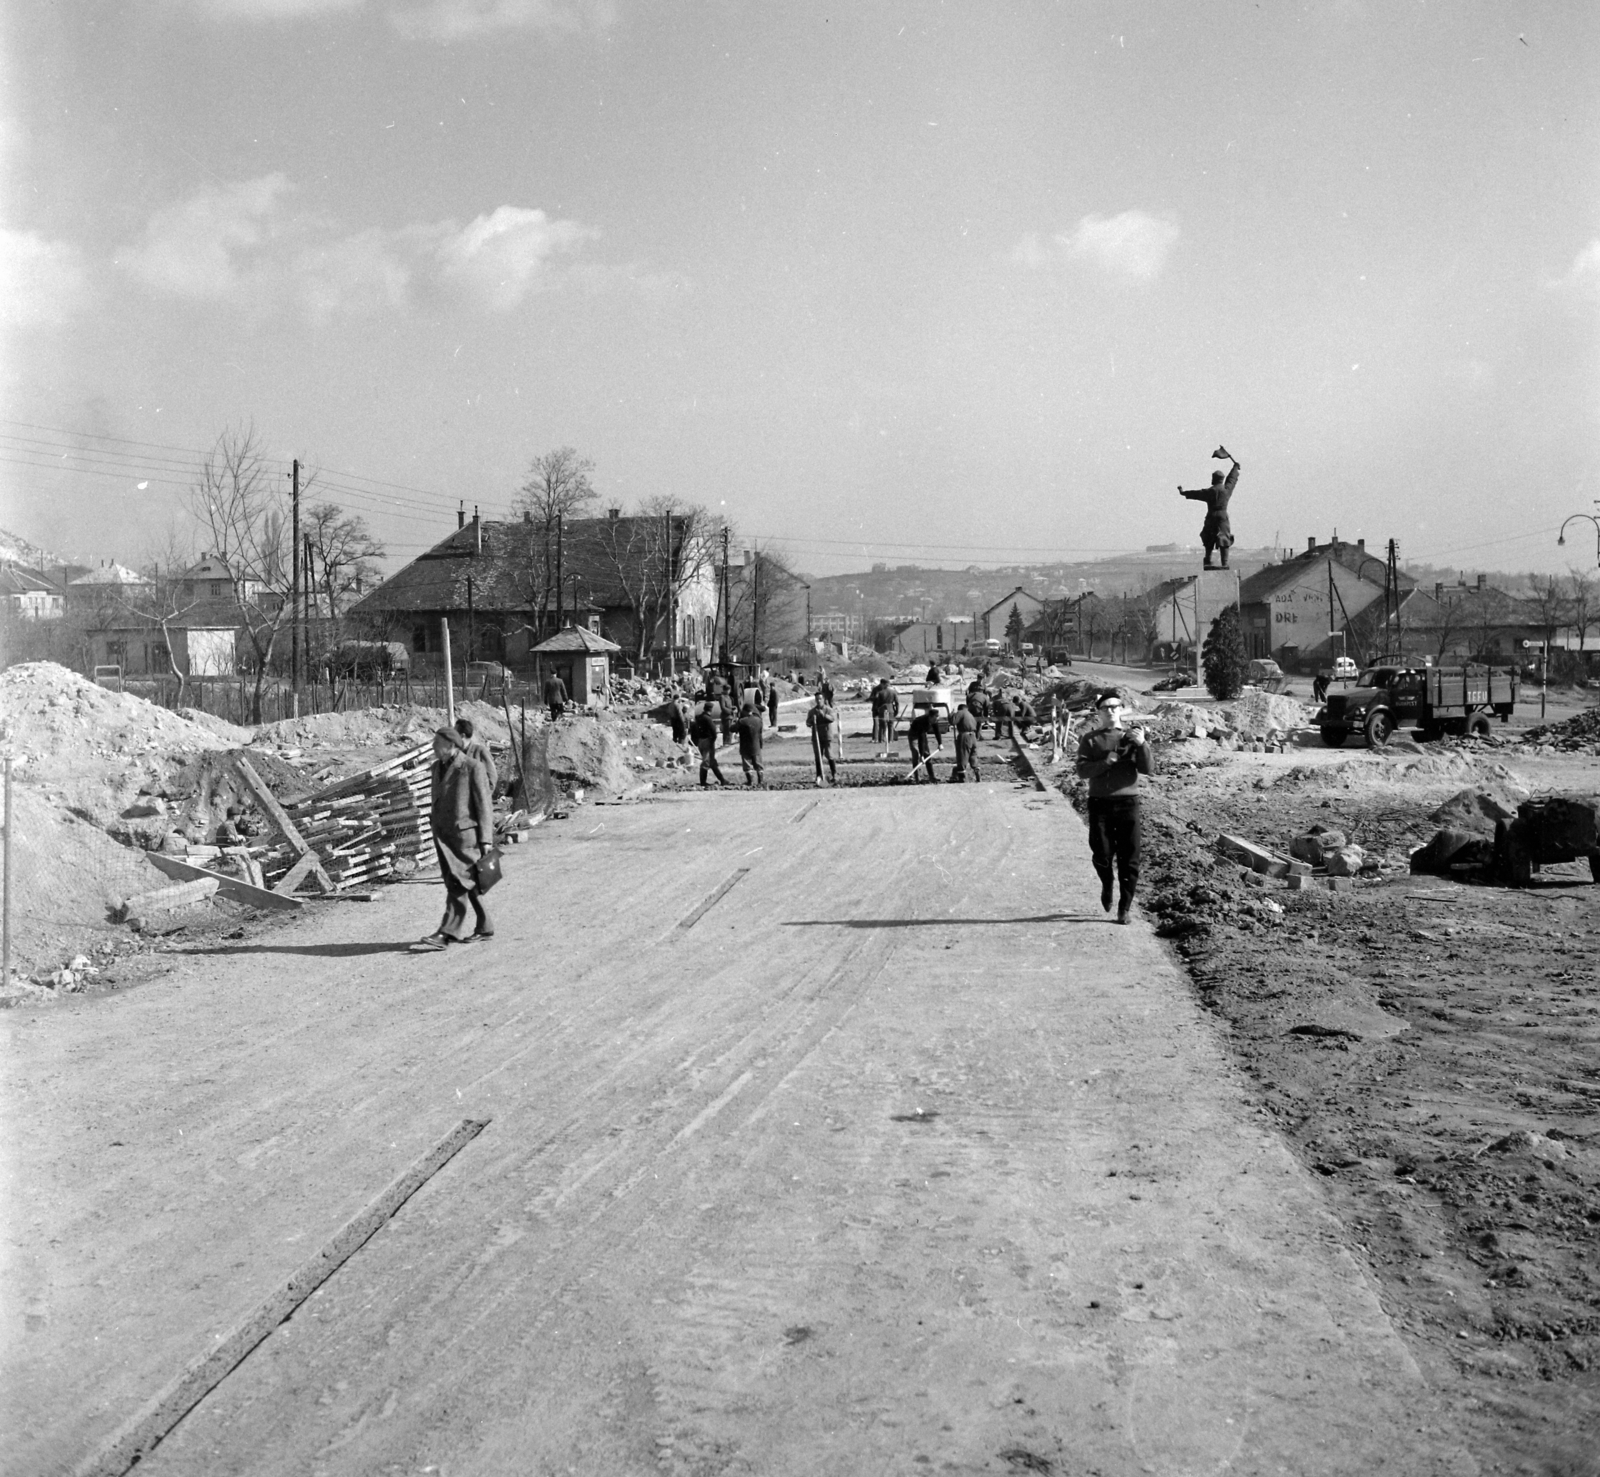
point(1112, 759)
point(772, 702)
point(703, 730)
point(555, 695)
point(462, 817)
point(749, 730)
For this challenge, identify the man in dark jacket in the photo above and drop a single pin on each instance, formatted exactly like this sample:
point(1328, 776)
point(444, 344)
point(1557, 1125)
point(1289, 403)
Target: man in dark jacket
point(462, 815)
point(925, 733)
point(749, 730)
point(1002, 711)
point(772, 702)
point(1112, 759)
point(703, 730)
point(1023, 716)
point(555, 695)
point(477, 749)
point(966, 729)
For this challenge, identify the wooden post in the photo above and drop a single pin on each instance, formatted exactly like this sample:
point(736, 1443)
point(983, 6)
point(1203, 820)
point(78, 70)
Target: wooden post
point(308, 863)
point(449, 677)
point(5, 904)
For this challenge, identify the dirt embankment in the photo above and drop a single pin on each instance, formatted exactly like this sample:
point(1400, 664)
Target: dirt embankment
point(1431, 1049)
point(102, 777)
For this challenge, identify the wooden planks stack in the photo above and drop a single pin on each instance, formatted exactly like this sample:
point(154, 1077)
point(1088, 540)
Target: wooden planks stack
point(365, 828)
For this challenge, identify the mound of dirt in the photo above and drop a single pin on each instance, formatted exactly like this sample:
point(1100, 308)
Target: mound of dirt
point(577, 753)
point(59, 724)
point(1256, 713)
point(67, 876)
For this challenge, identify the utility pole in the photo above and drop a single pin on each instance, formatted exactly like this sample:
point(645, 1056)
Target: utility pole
point(671, 567)
point(294, 588)
point(560, 609)
point(755, 610)
point(727, 611)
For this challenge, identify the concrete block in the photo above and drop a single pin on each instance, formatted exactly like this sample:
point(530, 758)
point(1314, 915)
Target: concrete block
point(168, 899)
point(1299, 882)
point(1338, 884)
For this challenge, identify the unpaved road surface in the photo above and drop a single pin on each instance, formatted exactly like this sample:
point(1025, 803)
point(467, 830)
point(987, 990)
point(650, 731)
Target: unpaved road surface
point(897, 1158)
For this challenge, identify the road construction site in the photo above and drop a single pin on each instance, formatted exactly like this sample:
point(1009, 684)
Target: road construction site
point(865, 1143)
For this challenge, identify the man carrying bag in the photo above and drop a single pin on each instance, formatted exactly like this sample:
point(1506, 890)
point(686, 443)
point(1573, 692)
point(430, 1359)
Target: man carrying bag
point(462, 816)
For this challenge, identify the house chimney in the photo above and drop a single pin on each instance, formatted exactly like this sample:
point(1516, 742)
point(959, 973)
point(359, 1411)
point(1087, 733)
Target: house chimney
point(477, 528)
point(1311, 544)
point(613, 514)
point(1361, 546)
point(1438, 590)
point(461, 515)
point(527, 515)
point(1483, 582)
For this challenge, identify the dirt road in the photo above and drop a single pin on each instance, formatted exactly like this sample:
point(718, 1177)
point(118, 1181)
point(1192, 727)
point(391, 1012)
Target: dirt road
point(896, 1157)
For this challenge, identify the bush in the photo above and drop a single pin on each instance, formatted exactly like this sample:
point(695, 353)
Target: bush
point(1222, 658)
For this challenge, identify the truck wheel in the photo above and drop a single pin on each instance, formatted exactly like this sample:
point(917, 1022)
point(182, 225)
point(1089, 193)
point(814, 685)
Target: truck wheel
point(1478, 725)
point(1333, 736)
point(1379, 727)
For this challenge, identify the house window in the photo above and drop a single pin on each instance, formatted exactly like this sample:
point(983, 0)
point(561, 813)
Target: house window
point(216, 589)
point(419, 638)
point(116, 652)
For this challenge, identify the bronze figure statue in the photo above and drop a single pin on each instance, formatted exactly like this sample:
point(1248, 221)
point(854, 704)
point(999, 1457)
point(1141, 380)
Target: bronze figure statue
point(1216, 533)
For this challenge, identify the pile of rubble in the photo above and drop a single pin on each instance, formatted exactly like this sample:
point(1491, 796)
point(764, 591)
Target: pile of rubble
point(54, 722)
point(1579, 734)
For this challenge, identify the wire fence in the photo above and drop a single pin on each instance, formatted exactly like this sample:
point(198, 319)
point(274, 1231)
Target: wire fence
point(236, 700)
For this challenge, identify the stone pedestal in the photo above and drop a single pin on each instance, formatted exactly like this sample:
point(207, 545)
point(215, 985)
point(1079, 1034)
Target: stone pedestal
point(1212, 592)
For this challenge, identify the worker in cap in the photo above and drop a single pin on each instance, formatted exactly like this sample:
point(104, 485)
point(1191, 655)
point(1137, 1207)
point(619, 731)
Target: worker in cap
point(462, 816)
point(1112, 758)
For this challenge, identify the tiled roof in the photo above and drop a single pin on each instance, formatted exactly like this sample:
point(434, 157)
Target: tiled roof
point(500, 574)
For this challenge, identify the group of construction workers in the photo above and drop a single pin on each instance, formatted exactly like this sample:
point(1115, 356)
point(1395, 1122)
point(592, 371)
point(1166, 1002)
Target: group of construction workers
point(719, 714)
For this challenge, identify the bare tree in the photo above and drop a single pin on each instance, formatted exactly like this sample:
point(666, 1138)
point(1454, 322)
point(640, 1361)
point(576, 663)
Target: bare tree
point(161, 600)
point(1583, 591)
point(342, 557)
point(766, 603)
point(238, 501)
point(557, 486)
point(1548, 596)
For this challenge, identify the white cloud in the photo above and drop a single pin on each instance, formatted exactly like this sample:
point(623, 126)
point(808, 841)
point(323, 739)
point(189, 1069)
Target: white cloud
point(1584, 275)
point(243, 244)
point(41, 281)
point(432, 20)
point(1133, 244)
point(1032, 252)
point(500, 258)
point(209, 245)
point(450, 20)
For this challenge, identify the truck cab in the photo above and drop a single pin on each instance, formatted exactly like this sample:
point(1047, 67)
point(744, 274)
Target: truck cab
point(1430, 700)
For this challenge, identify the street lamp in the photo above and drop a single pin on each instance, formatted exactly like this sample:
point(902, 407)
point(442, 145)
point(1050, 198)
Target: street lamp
point(1561, 538)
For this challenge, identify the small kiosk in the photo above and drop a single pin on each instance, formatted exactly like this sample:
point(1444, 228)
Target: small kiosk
point(582, 660)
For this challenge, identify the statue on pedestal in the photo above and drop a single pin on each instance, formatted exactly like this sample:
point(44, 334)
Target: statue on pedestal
point(1216, 533)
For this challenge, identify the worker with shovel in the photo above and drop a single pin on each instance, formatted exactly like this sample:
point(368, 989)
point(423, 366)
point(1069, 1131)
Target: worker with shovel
point(1112, 758)
point(823, 721)
point(462, 815)
point(703, 730)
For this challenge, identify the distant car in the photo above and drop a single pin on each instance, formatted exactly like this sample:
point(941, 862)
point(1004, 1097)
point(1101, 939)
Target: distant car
point(368, 661)
point(1345, 669)
point(488, 676)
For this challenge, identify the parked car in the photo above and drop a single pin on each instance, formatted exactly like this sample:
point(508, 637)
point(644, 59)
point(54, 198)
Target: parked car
point(368, 661)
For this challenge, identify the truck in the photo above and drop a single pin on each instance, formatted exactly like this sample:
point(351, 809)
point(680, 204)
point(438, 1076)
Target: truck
point(1430, 700)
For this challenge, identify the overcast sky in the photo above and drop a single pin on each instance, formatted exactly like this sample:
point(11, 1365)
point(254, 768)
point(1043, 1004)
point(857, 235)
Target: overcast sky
point(889, 281)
